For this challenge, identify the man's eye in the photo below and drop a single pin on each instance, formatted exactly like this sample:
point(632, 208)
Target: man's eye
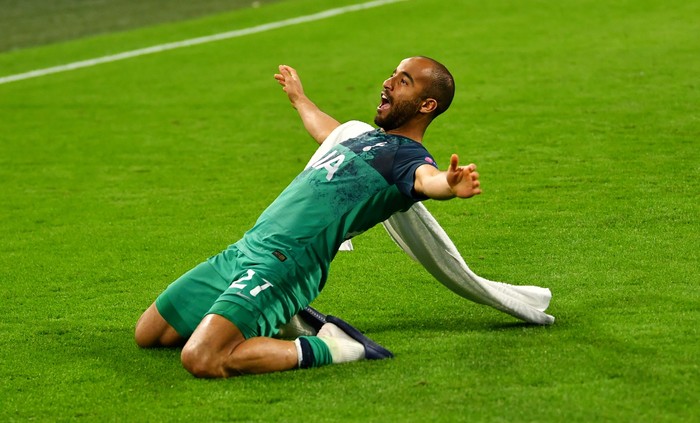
point(403, 81)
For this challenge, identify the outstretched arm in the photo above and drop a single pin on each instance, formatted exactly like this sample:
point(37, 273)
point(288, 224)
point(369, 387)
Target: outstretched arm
point(318, 123)
point(457, 181)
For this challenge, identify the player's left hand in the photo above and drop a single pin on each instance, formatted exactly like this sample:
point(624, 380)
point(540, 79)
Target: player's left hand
point(463, 180)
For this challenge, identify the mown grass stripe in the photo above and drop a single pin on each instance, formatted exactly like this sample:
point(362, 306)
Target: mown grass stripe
point(195, 41)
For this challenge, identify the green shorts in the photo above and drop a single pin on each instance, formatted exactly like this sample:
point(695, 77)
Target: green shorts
point(253, 295)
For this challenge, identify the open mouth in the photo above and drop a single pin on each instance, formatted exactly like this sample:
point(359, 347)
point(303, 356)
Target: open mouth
point(385, 103)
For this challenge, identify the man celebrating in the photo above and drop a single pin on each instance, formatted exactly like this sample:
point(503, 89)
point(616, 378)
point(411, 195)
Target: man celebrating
point(226, 310)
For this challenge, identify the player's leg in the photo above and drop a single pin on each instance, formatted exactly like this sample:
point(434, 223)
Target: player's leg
point(217, 348)
point(152, 330)
point(235, 336)
point(175, 314)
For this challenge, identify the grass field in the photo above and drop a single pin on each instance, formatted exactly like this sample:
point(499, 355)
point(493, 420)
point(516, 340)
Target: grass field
point(582, 116)
point(26, 23)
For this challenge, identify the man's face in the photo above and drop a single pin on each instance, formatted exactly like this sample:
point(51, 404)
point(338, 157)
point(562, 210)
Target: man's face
point(402, 93)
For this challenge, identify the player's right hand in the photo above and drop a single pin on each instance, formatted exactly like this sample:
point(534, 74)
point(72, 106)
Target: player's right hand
point(290, 82)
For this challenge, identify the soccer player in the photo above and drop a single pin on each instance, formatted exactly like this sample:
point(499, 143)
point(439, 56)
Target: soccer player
point(226, 310)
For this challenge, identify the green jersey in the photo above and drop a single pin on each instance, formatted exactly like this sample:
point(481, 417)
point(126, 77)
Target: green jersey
point(357, 184)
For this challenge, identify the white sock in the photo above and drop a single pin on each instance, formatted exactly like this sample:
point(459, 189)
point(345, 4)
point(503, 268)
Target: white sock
point(300, 355)
point(343, 348)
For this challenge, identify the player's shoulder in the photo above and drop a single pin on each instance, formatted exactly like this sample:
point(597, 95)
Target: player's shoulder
point(416, 152)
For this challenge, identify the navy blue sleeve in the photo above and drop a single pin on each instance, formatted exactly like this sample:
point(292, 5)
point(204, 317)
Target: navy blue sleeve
point(410, 157)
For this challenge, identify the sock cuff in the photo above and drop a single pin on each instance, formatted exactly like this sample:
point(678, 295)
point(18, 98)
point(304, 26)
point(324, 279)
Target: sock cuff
point(300, 352)
point(314, 352)
point(306, 354)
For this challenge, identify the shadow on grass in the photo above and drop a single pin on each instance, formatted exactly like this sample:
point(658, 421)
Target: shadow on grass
point(515, 325)
point(445, 324)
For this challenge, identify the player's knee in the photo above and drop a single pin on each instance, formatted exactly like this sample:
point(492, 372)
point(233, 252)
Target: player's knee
point(192, 362)
point(153, 331)
point(144, 336)
point(202, 363)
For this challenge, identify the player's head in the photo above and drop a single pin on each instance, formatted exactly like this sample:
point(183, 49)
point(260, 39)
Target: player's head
point(419, 89)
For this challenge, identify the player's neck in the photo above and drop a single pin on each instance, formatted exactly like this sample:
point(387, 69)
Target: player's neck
point(412, 132)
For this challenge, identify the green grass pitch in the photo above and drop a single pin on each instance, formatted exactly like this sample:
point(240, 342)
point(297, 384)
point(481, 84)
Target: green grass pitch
point(582, 116)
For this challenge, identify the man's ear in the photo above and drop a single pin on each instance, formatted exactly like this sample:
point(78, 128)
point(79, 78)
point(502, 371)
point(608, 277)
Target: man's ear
point(428, 105)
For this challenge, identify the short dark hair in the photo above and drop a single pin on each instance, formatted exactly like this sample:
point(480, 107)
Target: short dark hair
point(442, 87)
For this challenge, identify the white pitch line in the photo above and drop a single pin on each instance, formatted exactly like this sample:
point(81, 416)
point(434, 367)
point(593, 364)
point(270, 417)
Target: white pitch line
point(195, 41)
